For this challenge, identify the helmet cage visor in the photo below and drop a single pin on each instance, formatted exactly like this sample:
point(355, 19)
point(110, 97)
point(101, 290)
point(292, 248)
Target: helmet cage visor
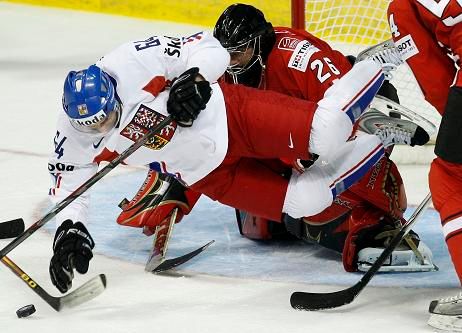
point(245, 56)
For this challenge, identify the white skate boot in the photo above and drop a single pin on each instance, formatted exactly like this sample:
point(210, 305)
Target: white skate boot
point(446, 314)
point(392, 131)
point(411, 255)
point(385, 54)
point(402, 259)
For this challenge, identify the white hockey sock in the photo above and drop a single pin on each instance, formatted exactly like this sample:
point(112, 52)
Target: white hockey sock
point(330, 129)
point(341, 106)
point(354, 92)
point(313, 191)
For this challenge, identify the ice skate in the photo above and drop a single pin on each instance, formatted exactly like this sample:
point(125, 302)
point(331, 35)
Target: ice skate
point(384, 54)
point(391, 130)
point(446, 313)
point(411, 255)
point(403, 259)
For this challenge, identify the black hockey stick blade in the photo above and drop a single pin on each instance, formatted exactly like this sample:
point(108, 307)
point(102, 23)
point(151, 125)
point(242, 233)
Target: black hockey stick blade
point(10, 229)
point(320, 301)
point(174, 262)
point(84, 293)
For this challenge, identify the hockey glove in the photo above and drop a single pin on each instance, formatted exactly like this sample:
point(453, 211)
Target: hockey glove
point(188, 96)
point(72, 250)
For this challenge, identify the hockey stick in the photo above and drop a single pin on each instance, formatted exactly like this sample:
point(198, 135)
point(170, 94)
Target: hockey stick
point(84, 187)
point(10, 229)
point(318, 301)
point(174, 262)
point(160, 242)
point(84, 293)
point(156, 262)
point(96, 285)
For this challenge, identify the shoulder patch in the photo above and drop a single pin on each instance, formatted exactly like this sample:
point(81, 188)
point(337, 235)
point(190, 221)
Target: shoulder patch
point(288, 43)
point(144, 119)
point(301, 56)
point(406, 47)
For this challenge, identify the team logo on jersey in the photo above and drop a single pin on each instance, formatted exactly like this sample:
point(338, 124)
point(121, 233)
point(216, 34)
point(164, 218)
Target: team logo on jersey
point(288, 43)
point(301, 56)
point(406, 47)
point(144, 119)
point(82, 109)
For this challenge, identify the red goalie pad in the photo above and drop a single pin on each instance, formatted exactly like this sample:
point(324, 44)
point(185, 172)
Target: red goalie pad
point(383, 187)
point(361, 221)
point(159, 195)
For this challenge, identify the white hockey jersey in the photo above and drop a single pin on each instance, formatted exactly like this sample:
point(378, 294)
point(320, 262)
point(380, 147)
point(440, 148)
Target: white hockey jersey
point(142, 70)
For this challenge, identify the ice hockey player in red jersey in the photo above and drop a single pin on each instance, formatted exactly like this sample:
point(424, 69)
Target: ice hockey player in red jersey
point(217, 141)
point(296, 63)
point(428, 36)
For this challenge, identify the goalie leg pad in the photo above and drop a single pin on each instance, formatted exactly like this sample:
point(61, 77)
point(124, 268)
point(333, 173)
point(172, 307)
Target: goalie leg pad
point(370, 232)
point(449, 140)
point(361, 220)
point(260, 228)
point(253, 227)
point(155, 201)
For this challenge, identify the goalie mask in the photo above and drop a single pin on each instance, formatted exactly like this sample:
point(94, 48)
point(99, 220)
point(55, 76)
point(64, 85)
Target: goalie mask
point(249, 38)
point(89, 101)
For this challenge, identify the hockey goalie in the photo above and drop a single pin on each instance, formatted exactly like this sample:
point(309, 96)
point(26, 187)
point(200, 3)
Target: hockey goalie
point(361, 220)
point(358, 224)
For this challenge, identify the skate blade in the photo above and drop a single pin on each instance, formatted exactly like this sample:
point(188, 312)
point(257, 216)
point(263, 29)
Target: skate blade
point(427, 267)
point(445, 322)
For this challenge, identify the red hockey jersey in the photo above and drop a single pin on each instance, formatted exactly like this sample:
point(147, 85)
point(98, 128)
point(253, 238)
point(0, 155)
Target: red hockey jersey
point(415, 24)
point(302, 65)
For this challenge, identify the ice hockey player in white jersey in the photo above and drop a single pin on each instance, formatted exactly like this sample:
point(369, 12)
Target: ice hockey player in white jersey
point(218, 137)
point(138, 70)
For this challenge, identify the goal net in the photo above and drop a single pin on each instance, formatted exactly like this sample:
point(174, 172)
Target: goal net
point(351, 26)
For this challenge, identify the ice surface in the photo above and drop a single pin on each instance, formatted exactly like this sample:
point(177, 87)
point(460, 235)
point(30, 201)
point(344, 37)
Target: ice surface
point(235, 286)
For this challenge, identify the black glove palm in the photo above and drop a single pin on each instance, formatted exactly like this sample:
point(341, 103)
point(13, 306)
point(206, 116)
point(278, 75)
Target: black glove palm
point(72, 249)
point(188, 97)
